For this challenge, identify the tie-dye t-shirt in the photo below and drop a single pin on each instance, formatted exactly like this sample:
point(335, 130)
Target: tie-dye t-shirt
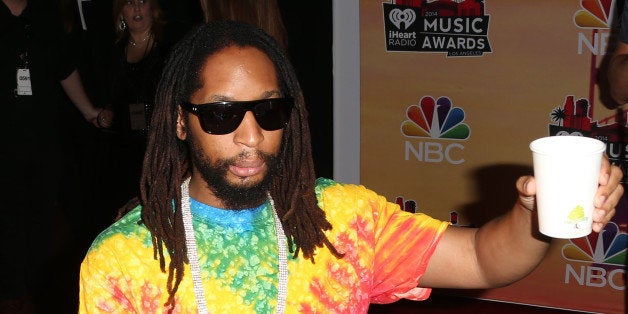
point(386, 251)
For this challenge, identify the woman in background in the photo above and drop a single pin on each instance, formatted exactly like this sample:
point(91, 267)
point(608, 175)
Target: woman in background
point(143, 40)
point(137, 61)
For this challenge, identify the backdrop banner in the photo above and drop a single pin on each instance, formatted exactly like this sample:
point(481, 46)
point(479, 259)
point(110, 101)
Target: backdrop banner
point(451, 95)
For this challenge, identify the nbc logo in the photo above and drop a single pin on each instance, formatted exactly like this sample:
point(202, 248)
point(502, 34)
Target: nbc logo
point(598, 14)
point(595, 14)
point(605, 252)
point(435, 119)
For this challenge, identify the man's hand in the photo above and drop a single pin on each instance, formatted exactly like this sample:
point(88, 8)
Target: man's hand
point(606, 198)
point(608, 194)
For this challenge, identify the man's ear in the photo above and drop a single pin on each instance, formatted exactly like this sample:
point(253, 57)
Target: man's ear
point(181, 127)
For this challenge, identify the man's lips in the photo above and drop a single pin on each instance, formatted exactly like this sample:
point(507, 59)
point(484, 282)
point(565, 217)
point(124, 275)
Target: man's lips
point(247, 168)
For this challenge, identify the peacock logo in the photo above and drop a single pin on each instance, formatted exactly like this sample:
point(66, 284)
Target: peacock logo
point(435, 119)
point(607, 247)
point(595, 14)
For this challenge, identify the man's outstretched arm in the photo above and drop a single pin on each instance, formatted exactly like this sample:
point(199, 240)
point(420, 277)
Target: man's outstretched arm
point(509, 247)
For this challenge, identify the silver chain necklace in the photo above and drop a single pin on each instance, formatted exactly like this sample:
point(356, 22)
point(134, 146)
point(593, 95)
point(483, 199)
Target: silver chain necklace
point(190, 240)
point(133, 43)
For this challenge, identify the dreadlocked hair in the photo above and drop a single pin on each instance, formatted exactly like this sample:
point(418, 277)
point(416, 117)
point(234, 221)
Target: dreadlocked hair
point(167, 164)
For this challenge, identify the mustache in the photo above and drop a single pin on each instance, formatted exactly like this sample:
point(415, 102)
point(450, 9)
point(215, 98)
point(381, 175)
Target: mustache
point(267, 158)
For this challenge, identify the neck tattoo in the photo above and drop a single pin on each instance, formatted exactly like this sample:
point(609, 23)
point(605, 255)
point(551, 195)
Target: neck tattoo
point(190, 241)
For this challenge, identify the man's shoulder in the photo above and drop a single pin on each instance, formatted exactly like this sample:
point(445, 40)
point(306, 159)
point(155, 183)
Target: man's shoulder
point(127, 227)
point(323, 184)
point(328, 190)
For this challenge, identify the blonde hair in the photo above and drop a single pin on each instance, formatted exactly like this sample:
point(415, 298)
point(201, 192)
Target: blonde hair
point(157, 16)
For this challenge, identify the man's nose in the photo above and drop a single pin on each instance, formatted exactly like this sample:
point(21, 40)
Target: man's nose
point(249, 132)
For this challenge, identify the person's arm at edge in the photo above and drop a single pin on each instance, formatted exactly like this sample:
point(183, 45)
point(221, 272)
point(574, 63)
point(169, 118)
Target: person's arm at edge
point(508, 248)
point(618, 74)
point(73, 87)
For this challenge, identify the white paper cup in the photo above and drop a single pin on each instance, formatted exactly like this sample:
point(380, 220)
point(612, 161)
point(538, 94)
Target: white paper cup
point(566, 169)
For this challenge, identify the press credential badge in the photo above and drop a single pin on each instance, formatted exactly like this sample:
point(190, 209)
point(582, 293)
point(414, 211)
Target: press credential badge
point(24, 82)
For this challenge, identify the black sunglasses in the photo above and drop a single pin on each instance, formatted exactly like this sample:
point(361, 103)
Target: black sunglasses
point(224, 117)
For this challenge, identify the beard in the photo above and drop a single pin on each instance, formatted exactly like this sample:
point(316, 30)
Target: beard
point(233, 196)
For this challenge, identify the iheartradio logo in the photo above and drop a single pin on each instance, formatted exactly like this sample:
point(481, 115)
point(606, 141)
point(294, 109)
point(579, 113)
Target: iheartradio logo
point(397, 16)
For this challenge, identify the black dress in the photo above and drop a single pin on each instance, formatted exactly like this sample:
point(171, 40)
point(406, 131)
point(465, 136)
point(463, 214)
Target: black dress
point(132, 94)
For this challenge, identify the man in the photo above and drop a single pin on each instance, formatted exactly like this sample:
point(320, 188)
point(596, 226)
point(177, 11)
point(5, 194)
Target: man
point(232, 219)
